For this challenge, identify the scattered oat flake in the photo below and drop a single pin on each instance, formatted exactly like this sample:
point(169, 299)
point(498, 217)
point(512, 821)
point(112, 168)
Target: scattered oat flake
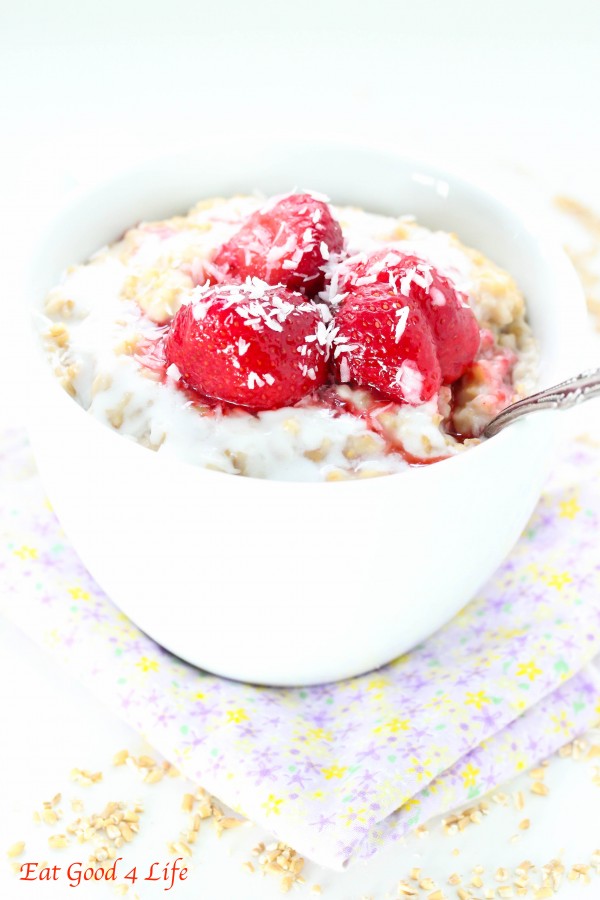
point(85, 778)
point(524, 867)
point(57, 841)
point(227, 822)
point(49, 816)
point(180, 848)
point(187, 803)
point(153, 776)
point(16, 849)
point(127, 833)
point(538, 787)
point(145, 762)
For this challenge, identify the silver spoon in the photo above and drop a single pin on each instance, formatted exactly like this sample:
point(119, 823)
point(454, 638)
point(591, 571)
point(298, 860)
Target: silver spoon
point(562, 396)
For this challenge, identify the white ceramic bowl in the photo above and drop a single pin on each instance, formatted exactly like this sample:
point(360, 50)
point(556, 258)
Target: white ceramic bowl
point(294, 583)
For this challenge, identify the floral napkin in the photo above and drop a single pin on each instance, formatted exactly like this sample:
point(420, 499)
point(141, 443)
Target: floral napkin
point(340, 770)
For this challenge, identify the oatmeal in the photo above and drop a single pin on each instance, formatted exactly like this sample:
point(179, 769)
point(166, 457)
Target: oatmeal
point(291, 339)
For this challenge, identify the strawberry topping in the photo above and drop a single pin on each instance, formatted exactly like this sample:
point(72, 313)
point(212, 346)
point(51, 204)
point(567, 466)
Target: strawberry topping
point(255, 338)
point(453, 325)
point(249, 344)
point(289, 242)
point(385, 342)
point(485, 389)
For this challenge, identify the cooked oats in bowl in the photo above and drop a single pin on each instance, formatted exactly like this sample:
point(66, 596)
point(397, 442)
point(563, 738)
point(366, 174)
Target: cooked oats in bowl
point(291, 339)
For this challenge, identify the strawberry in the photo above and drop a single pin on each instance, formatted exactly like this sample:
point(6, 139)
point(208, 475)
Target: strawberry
point(384, 342)
point(249, 344)
point(453, 325)
point(288, 243)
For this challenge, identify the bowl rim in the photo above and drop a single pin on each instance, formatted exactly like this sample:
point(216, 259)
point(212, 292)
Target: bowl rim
point(543, 424)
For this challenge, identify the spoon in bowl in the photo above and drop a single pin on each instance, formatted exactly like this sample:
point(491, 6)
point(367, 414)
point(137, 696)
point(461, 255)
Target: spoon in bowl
point(565, 395)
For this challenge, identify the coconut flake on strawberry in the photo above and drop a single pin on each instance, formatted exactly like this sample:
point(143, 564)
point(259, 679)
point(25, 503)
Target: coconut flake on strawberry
point(453, 325)
point(250, 344)
point(383, 341)
point(292, 241)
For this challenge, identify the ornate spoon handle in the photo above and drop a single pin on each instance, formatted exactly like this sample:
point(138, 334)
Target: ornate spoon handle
point(562, 396)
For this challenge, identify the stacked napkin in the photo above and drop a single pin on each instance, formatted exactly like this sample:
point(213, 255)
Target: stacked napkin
point(339, 770)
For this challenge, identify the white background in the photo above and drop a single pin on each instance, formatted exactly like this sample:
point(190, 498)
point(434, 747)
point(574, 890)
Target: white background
point(507, 93)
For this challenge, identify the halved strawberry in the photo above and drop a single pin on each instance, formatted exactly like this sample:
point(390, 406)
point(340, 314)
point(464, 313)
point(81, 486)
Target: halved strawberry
point(384, 342)
point(288, 242)
point(250, 344)
point(452, 322)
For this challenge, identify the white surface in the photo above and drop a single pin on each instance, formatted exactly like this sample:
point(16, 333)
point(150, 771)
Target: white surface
point(160, 508)
point(501, 91)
